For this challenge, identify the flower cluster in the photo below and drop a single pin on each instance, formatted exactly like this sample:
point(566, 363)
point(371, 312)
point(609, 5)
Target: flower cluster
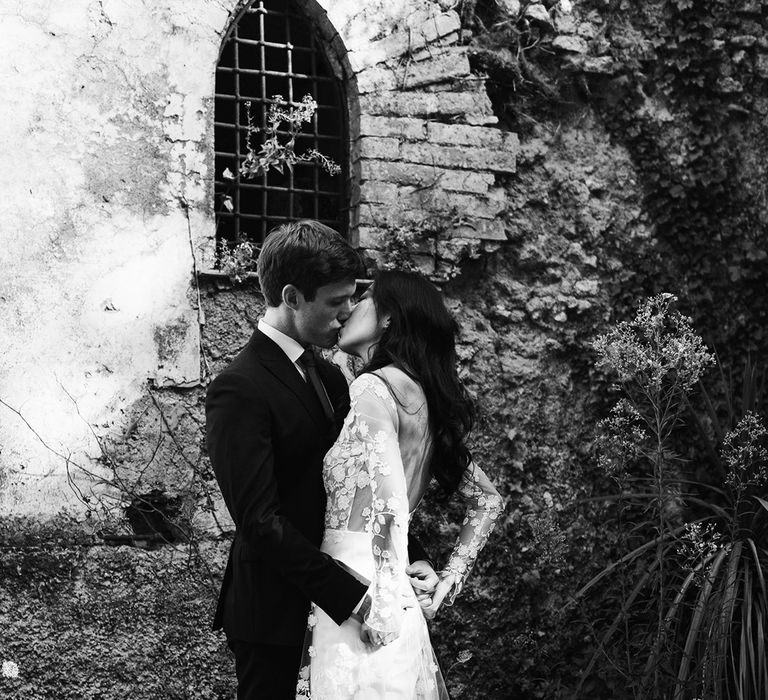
point(621, 439)
point(238, 259)
point(745, 453)
point(657, 349)
point(279, 111)
point(700, 543)
point(274, 154)
point(10, 669)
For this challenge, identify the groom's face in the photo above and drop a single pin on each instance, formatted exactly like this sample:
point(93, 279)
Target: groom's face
point(318, 321)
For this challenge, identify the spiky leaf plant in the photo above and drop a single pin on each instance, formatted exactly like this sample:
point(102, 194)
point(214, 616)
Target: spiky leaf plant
point(692, 603)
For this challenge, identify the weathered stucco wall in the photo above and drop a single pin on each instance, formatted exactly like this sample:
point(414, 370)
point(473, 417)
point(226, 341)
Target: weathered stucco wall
point(103, 138)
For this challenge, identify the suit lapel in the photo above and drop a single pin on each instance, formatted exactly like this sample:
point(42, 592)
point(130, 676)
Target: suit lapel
point(277, 363)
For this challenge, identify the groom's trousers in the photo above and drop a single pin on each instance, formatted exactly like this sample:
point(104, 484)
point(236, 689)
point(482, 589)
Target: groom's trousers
point(265, 671)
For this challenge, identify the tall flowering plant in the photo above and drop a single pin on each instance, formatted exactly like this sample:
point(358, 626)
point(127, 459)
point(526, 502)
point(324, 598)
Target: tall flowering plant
point(693, 608)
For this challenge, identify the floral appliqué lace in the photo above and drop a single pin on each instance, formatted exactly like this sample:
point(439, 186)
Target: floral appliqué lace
point(368, 494)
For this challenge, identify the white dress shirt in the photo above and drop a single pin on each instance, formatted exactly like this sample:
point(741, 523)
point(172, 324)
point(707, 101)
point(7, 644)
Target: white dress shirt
point(292, 348)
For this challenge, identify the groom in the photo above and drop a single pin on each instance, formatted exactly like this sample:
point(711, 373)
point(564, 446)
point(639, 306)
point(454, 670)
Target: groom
point(271, 416)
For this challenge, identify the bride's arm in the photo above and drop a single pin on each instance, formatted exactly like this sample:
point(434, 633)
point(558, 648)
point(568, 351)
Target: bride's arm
point(382, 501)
point(483, 507)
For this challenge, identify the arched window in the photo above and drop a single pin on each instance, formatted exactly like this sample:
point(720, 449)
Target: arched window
point(273, 48)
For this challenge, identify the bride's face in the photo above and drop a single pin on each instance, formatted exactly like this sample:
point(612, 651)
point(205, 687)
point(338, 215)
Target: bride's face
point(363, 328)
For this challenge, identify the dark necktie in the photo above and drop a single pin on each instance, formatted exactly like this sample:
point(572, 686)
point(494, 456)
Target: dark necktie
point(309, 364)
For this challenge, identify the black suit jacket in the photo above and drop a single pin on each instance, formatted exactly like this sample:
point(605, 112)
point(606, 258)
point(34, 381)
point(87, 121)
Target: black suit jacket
point(267, 436)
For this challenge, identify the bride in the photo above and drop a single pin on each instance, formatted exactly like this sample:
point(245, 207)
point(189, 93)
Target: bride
point(407, 423)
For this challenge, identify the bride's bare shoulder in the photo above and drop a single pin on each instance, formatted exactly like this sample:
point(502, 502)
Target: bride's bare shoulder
point(405, 387)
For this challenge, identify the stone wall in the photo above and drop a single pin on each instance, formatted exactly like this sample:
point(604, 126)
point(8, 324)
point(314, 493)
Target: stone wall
point(524, 237)
point(104, 235)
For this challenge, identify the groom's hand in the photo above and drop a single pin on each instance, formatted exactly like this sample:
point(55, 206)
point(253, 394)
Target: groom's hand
point(423, 580)
point(374, 638)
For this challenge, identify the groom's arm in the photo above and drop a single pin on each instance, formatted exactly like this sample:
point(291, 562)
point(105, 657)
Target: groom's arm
point(239, 439)
point(416, 552)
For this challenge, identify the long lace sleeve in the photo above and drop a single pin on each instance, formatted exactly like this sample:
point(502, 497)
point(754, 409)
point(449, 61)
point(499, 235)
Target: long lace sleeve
point(484, 505)
point(381, 497)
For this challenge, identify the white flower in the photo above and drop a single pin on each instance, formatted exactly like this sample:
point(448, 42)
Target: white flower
point(10, 669)
point(312, 620)
point(312, 652)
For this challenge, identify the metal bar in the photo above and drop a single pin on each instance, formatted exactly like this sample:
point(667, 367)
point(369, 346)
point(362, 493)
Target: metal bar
point(315, 143)
point(238, 155)
point(276, 188)
point(256, 98)
point(299, 137)
point(260, 217)
point(281, 73)
point(262, 56)
point(289, 58)
point(270, 44)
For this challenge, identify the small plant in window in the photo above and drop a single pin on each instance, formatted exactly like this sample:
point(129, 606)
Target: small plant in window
point(237, 259)
point(275, 154)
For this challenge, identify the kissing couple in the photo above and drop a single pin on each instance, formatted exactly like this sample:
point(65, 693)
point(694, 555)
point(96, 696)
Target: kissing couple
point(325, 593)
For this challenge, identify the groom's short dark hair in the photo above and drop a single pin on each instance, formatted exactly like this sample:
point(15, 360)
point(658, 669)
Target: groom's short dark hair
point(306, 254)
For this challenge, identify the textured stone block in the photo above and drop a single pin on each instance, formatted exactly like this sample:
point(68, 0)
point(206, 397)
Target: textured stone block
point(465, 106)
point(412, 129)
point(381, 147)
point(438, 204)
point(381, 192)
point(406, 74)
point(420, 29)
point(463, 157)
point(402, 127)
point(570, 44)
point(466, 135)
point(425, 176)
point(487, 230)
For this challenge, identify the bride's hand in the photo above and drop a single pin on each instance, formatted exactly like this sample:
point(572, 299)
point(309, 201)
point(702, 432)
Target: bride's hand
point(424, 580)
point(442, 590)
point(374, 638)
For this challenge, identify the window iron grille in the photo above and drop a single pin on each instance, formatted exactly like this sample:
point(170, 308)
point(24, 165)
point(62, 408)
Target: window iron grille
point(272, 49)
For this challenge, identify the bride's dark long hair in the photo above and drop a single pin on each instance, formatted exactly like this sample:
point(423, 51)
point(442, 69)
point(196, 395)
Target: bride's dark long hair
point(421, 340)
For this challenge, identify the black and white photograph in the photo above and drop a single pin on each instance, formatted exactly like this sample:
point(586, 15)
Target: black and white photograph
point(384, 350)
